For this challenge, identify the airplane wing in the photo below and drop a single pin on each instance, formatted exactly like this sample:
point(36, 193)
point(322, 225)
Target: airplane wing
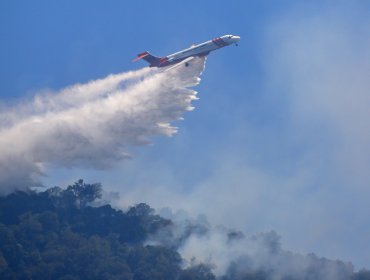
point(184, 62)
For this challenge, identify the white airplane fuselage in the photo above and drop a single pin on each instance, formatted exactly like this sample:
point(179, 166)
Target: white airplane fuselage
point(202, 49)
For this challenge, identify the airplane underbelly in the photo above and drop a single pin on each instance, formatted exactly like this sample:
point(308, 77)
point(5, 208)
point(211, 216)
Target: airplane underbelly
point(197, 52)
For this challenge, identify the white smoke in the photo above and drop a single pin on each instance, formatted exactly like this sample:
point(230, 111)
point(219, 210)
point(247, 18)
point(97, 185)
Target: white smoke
point(235, 255)
point(94, 124)
point(231, 254)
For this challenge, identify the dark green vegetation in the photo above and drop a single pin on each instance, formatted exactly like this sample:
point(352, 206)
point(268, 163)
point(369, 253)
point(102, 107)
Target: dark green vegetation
point(55, 234)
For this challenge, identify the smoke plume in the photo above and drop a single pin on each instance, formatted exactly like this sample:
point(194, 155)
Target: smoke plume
point(92, 125)
point(231, 254)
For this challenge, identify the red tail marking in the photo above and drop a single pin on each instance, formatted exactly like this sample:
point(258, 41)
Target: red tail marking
point(140, 56)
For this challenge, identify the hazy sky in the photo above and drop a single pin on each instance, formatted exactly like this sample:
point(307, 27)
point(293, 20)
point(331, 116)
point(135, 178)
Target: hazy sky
point(280, 136)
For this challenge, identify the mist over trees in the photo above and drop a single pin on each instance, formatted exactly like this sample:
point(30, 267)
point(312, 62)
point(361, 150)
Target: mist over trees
point(57, 234)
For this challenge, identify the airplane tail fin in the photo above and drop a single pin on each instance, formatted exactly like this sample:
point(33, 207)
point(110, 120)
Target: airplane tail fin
point(151, 59)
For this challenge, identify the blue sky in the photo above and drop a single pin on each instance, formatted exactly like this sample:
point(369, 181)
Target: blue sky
point(279, 136)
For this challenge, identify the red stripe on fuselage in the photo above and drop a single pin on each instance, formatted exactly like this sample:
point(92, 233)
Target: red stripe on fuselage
point(219, 42)
point(163, 62)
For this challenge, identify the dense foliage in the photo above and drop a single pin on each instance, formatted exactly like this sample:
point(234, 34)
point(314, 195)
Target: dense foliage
point(56, 234)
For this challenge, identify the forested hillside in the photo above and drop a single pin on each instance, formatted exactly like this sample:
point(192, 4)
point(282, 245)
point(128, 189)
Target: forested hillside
point(55, 234)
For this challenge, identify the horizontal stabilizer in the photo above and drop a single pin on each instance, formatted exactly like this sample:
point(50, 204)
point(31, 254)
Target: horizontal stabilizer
point(140, 56)
point(151, 59)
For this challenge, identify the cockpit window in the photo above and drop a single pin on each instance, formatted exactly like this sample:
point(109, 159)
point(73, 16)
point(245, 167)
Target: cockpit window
point(230, 37)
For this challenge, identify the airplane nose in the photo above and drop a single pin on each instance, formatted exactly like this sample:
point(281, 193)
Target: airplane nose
point(236, 38)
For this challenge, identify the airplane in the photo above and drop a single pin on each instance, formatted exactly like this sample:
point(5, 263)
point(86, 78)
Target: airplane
point(186, 55)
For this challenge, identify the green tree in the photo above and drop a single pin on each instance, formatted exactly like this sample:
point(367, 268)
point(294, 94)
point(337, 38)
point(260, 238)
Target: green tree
point(81, 193)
